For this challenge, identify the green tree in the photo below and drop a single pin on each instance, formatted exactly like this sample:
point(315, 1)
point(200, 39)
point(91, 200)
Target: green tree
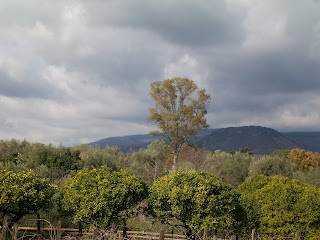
point(21, 194)
point(95, 157)
point(102, 196)
point(10, 150)
point(149, 163)
point(283, 206)
point(179, 111)
point(195, 200)
point(232, 168)
point(272, 165)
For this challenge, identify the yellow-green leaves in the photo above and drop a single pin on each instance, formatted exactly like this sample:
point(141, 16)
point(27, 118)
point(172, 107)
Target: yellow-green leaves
point(102, 196)
point(179, 110)
point(283, 206)
point(196, 200)
point(23, 193)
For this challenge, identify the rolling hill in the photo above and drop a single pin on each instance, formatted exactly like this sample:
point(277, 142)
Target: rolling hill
point(260, 140)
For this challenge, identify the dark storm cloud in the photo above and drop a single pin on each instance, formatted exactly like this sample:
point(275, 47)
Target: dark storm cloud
point(67, 65)
point(183, 22)
point(273, 73)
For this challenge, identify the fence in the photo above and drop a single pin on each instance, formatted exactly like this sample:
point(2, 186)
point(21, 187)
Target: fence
point(58, 233)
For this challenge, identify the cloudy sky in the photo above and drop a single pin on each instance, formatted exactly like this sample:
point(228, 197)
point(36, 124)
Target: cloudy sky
point(77, 71)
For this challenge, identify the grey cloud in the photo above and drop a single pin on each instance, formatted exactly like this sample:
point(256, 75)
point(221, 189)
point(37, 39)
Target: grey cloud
point(36, 88)
point(188, 23)
point(257, 59)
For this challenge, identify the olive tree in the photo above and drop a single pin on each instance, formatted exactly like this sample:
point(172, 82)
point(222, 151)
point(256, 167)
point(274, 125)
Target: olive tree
point(232, 168)
point(195, 200)
point(101, 196)
point(179, 111)
point(22, 193)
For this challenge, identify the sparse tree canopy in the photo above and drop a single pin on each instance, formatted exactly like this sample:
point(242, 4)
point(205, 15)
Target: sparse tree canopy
point(179, 111)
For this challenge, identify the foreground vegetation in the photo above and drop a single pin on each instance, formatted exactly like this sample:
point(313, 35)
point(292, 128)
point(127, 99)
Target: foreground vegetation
point(175, 184)
point(228, 193)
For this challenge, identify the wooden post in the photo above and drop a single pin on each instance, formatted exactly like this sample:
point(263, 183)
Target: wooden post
point(205, 233)
point(59, 233)
point(297, 236)
point(38, 226)
point(15, 232)
point(161, 234)
point(80, 229)
point(95, 233)
point(6, 235)
point(124, 232)
point(253, 233)
point(233, 237)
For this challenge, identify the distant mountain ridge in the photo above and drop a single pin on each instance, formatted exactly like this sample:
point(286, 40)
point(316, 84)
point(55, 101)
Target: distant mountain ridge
point(260, 140)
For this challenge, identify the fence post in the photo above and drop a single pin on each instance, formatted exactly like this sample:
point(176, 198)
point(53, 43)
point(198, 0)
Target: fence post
point(59, 233)
point(161, 235)
point(15, 232)
point(253, 233)
point(38, 226)
point(80, 229)
point(297, 236)
point(95, 233)
point(205, 233)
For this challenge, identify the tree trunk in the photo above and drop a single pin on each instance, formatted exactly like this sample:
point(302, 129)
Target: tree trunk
point(38, 224)
point(174, 164)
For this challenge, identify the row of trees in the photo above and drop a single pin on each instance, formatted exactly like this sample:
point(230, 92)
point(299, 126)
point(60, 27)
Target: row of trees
point(56, 162)
point(105, 198)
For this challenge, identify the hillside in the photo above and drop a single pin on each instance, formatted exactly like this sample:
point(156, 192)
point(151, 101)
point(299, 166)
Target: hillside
point(260, 140)
point(306, 140)
point(127, 143)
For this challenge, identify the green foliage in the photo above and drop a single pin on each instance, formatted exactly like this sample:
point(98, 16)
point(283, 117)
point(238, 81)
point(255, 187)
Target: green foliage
point(149, 163)
point(179, 110)
point(102, 196)
point(283, 206)
point(10, 150)
point(23, 193)
point(50, 162)
point(95, 157)
point(272, 165)
point(281, 153)
point(311, 176)
point(232, 168)
point(196, 200)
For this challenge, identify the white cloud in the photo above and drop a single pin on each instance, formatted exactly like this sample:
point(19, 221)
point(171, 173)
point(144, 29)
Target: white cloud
point(186, 66)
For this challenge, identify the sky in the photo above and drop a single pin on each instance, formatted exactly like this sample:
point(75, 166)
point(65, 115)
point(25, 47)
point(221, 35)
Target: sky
point(76, 71)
